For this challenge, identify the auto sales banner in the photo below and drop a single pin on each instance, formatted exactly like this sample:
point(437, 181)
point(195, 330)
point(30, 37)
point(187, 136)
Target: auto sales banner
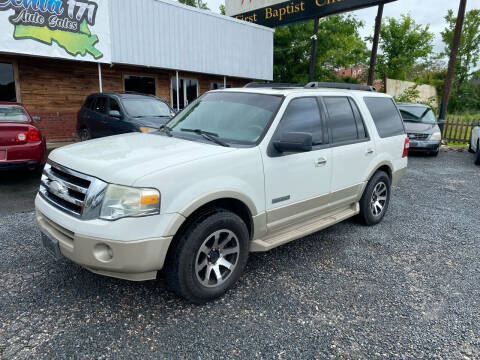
point(69, 29)
point(273, 13)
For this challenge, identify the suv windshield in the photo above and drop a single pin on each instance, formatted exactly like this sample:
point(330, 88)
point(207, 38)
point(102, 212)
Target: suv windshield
point(12, 113)
point(418, 114)
point(146, 108)
point(233, 117)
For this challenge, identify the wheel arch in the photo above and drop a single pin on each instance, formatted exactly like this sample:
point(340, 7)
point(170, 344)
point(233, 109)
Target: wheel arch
point(385, 166)
point(245, 209)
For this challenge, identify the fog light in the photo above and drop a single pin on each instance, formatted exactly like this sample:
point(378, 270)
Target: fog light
point(103, 252)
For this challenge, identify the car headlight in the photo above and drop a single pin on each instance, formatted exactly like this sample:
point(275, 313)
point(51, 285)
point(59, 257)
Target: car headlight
point(436, 136)
point(145, 129)
point(123, 201)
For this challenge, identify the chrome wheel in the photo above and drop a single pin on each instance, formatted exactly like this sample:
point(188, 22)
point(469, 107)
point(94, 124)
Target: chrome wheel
point(379, 199)
point(217, 258)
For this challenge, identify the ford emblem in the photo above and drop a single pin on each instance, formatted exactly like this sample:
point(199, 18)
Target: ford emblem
point(58, 187)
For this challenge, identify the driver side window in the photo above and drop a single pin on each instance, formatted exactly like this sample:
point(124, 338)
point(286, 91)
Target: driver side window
point(303, 115)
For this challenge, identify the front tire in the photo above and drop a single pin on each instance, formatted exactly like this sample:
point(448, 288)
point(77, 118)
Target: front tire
point(209, 257)
point(375, 199)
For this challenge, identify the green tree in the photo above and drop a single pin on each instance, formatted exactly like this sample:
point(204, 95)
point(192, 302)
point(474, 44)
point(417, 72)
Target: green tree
point(195, 3)
point(403, 43)
point(339, 46)
point(221, 8)
point(464, 95)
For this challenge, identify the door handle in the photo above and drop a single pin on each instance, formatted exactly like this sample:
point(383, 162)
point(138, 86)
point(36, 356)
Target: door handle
point(320, 162)
point(369, 151)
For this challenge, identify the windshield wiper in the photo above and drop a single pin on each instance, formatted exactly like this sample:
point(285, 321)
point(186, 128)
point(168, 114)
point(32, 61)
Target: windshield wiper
point(166, 130)
point(207, 135)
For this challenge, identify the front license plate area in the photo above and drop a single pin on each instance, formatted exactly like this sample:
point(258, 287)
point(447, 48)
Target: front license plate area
point(51, 245)
point(3, 155)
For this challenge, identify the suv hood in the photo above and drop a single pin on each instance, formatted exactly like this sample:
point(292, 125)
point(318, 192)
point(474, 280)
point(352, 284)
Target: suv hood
point(420, 128)
point(123, 159)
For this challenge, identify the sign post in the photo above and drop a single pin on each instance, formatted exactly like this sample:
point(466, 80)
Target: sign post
point(313, 53)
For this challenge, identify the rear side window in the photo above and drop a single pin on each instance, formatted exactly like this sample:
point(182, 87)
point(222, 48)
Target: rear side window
point(302, 115)
point(385, 115)
point(341, 120)
point(89, 103)
point(101, 105)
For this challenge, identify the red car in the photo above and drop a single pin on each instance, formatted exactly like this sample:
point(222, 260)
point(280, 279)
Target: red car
point(21, 143)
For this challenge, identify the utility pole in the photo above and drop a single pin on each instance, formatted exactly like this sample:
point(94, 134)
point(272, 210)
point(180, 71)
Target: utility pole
point(453, 60)
point(313, 53)
point(376, 37)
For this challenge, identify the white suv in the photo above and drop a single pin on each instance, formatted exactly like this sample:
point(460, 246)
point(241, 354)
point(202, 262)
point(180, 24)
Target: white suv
point(238, 170)
point(475, 143)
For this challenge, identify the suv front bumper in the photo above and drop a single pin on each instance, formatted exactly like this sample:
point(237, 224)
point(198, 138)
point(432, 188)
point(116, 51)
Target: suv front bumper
point(135, 260)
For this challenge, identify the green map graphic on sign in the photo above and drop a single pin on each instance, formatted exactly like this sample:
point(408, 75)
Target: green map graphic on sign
point(79, 43)
point(65, 22)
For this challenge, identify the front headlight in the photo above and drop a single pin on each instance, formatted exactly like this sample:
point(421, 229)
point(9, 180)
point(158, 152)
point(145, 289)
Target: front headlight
point(123, 201)
point(145, 129)
point(436, 136)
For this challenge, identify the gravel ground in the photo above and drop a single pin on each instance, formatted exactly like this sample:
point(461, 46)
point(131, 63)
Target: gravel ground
point(407, 288)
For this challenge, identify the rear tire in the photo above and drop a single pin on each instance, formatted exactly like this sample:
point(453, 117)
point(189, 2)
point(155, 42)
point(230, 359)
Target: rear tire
point(477, 154)
point(209, 257)
point(375, 199)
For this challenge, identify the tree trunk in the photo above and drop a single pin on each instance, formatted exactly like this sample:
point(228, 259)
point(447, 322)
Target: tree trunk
point(376, 37)
point(453, 59)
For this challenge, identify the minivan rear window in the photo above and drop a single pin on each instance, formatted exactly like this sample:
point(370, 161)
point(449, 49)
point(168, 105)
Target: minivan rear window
point(386, 116)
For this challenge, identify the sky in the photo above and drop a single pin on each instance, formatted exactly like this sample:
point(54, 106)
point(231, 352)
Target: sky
point(424, 12)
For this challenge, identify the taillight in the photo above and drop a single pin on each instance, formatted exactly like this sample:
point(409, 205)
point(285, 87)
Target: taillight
point(21, 137)
point(33, 135)
point(406, 146)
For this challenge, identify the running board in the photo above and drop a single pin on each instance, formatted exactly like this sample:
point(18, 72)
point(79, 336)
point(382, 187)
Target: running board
point(303, 229)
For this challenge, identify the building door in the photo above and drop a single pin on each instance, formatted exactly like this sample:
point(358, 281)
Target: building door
point(188, 91)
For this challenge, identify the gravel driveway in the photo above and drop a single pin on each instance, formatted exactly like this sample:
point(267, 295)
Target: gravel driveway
point(407, 288)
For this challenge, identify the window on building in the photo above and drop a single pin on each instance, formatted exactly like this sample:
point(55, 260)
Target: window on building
point(302, 115)
point(7, 83)
point(140, 84)
point(219, 85)
point(188, 91)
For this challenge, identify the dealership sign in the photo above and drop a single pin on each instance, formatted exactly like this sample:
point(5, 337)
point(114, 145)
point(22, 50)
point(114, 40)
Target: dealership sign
point(72, 29)
point(273, 13)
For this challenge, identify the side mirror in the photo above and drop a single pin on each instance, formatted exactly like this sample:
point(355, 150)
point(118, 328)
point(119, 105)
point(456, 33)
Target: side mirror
point(115, 113)
point(36, 118)
point(293, 142)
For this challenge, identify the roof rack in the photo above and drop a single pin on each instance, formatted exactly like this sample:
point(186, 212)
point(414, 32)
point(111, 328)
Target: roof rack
point(272, 85)
point(335, 85)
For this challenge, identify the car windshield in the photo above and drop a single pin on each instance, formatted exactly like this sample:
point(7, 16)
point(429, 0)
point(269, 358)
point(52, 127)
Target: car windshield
point(12, 113)
point(146, 108)
point(419, 114)
point(233, 117)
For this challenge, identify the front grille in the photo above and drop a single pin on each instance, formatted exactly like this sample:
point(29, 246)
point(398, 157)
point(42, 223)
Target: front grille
point(416, 136)
point(71, 191)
